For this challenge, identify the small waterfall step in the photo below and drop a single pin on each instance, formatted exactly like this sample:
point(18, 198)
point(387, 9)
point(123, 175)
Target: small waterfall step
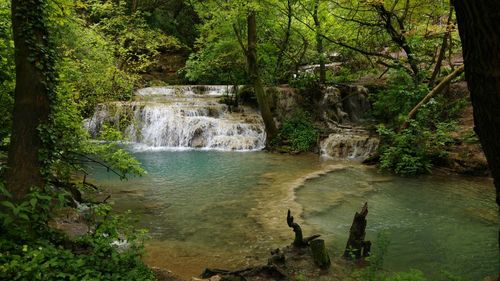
point(349, 143)
point(182, 117)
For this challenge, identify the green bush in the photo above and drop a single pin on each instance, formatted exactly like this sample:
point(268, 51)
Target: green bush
point(413, 150)
point(30, 250)
point(417, 148)
point(401, 95)
point(304, 81)
point(299, 132)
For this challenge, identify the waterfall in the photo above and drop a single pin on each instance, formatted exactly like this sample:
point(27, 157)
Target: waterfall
point(182, 117)
point(349, 144)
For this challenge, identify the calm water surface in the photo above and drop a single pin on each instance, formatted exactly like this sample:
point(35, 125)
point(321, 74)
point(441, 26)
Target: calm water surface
point(224, 209)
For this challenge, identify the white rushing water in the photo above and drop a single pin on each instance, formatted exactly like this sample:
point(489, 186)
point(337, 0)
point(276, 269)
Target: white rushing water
point(182, 117)
point(349, 144)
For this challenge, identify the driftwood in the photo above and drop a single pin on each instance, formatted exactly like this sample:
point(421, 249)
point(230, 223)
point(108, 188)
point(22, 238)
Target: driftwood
point(299, 241)
point(356, 246)
point(319, 253)
point(277, 258)
point(242, 274)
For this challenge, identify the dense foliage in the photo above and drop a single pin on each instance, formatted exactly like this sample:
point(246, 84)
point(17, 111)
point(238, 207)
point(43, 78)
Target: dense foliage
point(107, 45)
point(413, 43)
point(415, 149)
point(7, 73)
point(392, 34)
point(86, 73)
point(31, 250)
point(298, 133)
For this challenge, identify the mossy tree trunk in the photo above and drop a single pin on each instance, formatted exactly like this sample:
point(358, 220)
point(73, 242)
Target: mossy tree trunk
point(253, 70)
point(320, 254)
point(34, 68)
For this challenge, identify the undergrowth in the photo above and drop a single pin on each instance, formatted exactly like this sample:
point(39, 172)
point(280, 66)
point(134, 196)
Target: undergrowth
point(31, 250)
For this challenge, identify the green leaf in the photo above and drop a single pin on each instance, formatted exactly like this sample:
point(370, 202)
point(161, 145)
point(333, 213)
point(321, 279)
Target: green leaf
point(9, 204)
point(33, 202)
point(24, 216)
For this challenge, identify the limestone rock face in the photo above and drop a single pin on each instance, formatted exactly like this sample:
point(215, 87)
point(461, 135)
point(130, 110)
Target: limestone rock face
point(355, 102)
point(337, 110)
point(331, 105)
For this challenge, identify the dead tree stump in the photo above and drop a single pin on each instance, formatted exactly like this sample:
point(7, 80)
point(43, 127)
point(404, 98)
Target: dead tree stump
point(319, 253)
point(299, 238)
point(356, 246)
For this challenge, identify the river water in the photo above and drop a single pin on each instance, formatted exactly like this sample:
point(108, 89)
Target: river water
point(228, 209)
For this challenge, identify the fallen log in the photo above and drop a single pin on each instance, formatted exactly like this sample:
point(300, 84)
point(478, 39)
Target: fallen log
point(356, 246)
point(242, 274)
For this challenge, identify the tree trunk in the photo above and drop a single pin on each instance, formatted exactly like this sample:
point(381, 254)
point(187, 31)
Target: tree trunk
point(478, 24)
point(320, 254)
point(356, 246)
point(285, 42)
point(442, 50)
point(133, 6)
point(299, 238)
point(253, 70)
point(31, 105)
point(319, 44)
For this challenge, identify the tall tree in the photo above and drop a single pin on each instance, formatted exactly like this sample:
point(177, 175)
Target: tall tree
point(478, 24)
point(34, 83)
point(319, 43)
point(253, 71)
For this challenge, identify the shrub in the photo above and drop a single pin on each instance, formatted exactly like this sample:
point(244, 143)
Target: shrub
point(401, 95)
point(304, 81)
point(30, 250)
point(423, 143)
point(413, 150)
point(299, 132)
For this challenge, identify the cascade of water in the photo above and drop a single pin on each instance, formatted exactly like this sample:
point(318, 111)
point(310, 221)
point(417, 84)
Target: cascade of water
point(182, 117)
point(349, 144)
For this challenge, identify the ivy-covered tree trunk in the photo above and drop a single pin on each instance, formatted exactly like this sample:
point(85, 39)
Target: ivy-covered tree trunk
point(34, 69)
point(479, 27)
point(253, 70)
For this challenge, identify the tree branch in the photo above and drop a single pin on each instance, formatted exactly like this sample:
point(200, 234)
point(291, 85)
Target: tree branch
point(440, 87)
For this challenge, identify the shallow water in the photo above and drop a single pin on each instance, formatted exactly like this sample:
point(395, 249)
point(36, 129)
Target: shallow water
point(433, 224)
point(228, 209)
